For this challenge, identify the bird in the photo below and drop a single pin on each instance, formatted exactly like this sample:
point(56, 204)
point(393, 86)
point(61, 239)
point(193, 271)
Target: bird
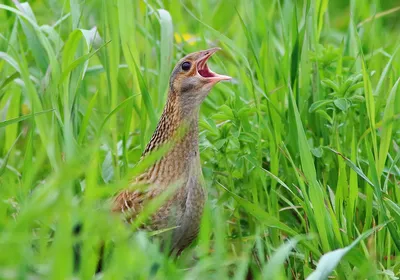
point(189, 84)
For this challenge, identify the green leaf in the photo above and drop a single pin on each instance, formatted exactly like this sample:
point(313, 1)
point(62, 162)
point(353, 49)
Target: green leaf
point(343, 104)
point(5, 160)
point(387, 129)
point(325, 115)
point(272, 269)
point(318, 104)
point(307, 163)
point(330, 260)
point(34, 43)
point(260, 214)
point(317, 152)
point(8, 58)
point(166, 48)
point(113, 112)
point(22, 118)
point(354, 167)
point(330, 84)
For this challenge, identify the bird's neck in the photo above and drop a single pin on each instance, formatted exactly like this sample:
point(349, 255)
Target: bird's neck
point(178, 131)
point(176, 127)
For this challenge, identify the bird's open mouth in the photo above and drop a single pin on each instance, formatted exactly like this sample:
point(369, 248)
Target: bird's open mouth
point(205, 72)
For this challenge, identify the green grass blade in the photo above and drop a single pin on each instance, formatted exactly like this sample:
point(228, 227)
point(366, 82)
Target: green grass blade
point(22, 118)
point(387, 129)
point(329, 261)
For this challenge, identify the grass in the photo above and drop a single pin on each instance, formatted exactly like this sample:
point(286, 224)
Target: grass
point(300, 152)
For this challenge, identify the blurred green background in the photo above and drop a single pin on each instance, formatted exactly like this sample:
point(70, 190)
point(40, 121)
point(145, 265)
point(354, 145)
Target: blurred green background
point(300, 152)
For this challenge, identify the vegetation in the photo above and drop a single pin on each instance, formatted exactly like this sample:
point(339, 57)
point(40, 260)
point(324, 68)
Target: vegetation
point(300, 152)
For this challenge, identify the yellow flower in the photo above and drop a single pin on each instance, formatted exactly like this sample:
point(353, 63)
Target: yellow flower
point(25, 109)
point(185, 37)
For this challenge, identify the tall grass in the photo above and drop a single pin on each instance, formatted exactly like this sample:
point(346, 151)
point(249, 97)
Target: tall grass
point(300, 152)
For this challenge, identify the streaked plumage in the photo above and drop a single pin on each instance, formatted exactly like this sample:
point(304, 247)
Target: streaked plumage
point(180, 165)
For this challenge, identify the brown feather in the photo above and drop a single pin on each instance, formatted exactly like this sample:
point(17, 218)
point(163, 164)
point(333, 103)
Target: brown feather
point(178, 126)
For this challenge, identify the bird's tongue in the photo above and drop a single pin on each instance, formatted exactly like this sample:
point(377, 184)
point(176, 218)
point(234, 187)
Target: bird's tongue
point(205, 72)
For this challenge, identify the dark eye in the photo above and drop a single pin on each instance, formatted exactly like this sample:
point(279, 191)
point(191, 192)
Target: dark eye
point(186, 66)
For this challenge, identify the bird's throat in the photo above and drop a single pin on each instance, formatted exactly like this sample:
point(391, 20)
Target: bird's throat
point(177, 132)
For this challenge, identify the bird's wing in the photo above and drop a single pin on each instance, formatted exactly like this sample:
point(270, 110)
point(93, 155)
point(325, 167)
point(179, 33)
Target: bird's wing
point(131, 202)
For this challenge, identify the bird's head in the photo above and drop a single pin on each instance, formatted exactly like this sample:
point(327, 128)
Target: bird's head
point(192, 80)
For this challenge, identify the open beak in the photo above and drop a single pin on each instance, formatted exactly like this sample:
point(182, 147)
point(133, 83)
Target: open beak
point(204, 71)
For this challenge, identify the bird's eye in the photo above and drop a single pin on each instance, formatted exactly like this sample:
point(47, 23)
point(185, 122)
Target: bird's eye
point(186, 66)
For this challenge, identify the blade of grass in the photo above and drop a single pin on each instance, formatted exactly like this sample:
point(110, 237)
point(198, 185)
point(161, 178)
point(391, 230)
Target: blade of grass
point(315, 192)
point(330, 260)
point(386, 137)
point(22, 118)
